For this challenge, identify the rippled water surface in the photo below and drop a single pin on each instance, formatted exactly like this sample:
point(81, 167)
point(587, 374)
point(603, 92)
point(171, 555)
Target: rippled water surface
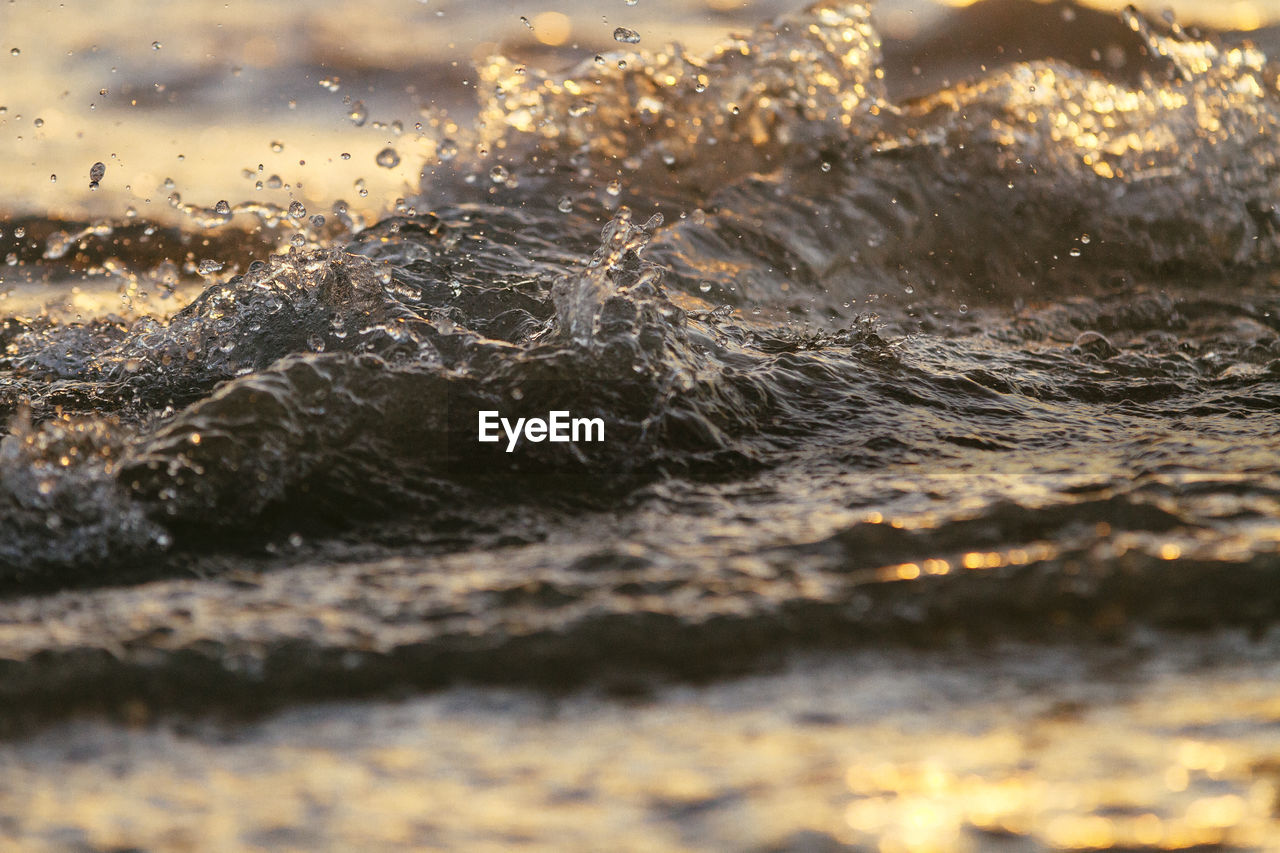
point(937, 357)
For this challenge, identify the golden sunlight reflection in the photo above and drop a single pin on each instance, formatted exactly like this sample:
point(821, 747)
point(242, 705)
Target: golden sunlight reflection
point(885, 751)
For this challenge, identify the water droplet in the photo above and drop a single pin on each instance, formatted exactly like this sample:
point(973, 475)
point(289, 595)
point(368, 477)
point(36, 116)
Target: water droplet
point(499, 175)
point(274, 182)
point(614, 188)
point(826, 167)
point(626, 35)
point(387, 158)
point(53, 179)
point(318, 220)
point(14, 52)
point(96, 172)
point(1075, 253)
point(155, 45)
point(277, 146)
point(296, 210)
point(39, 122)
point(704, 286)
point(346, 156)
point(964, 309)
point(448, 149)
point(298, 241)
point(358, 114)
point(222, 208)
point(208, 267)
point(1085, 238)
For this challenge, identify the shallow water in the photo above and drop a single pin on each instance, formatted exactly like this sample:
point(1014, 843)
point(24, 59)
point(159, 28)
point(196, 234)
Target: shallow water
point(892, 348)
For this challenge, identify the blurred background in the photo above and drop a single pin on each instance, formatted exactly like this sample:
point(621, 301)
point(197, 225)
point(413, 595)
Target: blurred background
point(262, 101)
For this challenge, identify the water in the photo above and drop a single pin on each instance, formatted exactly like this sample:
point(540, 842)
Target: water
point(939, 406)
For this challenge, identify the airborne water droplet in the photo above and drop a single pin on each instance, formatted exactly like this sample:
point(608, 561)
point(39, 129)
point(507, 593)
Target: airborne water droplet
point(387, 158)
point(96, 172)
point(155, 45)
point(39, 122)
point(14, 52)
point(499, 175)
point(208, 267)
point(704, 286)
point(358, 115)
point(626, 35)
point(613, 188)
point(296, 210)
point(277, 147)
point(222, 208)
point(448, 150)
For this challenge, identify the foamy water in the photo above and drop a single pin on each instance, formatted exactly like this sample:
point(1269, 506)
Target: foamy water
point(887, 353)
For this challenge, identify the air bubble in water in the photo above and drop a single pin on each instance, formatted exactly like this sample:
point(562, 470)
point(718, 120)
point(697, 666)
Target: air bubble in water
point(296, 210)
point(358, 114)
point(626, 35)
point(565, 205)
point(208, 267)
point(387, 158)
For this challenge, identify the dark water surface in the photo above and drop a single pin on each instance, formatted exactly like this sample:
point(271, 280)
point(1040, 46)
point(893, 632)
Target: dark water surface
point(988, 370)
